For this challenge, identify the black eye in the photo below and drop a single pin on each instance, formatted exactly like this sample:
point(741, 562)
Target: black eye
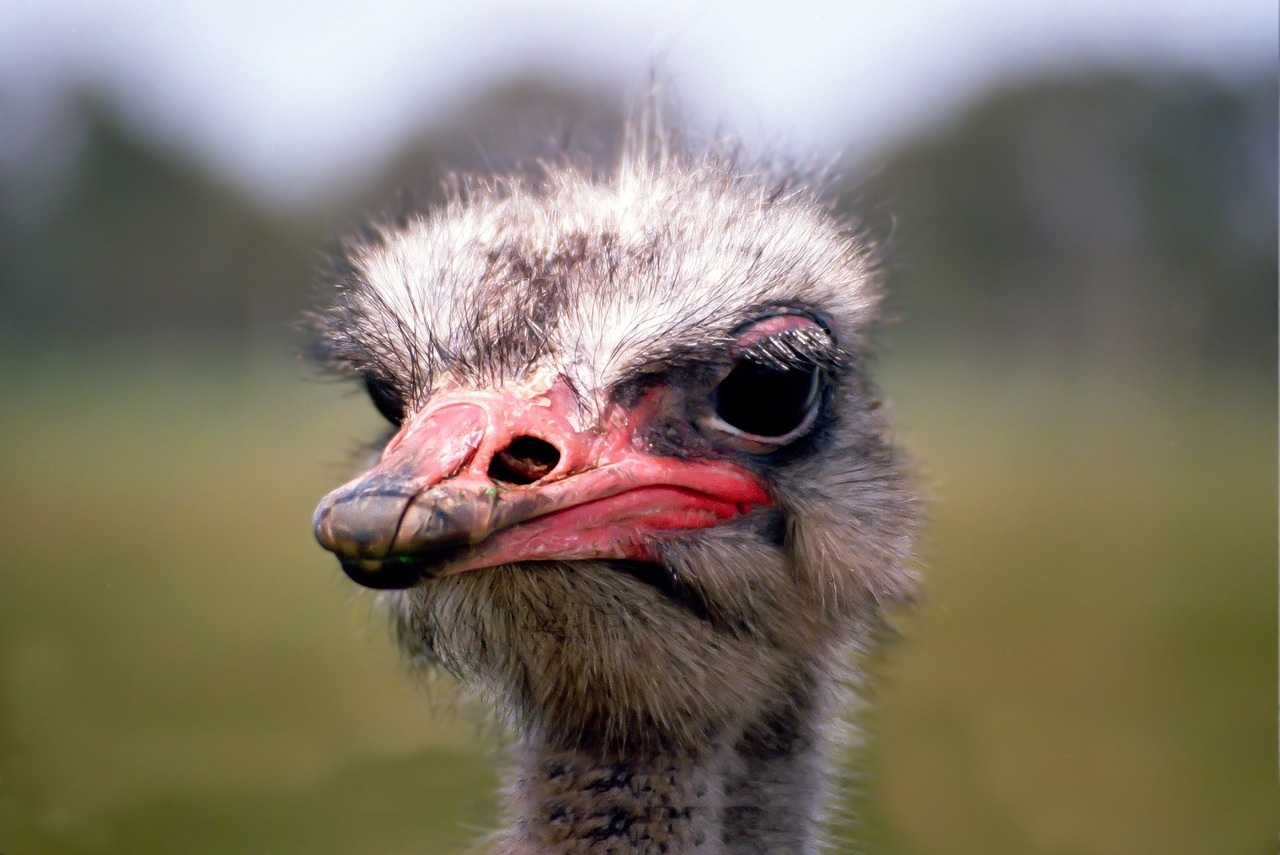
point(385, 398)
point(768, 400)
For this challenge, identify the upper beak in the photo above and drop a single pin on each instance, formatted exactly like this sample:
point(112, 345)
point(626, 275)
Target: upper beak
point(479, 479)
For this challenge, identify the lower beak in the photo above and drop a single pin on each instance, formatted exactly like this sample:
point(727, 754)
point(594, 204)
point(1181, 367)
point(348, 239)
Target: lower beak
point(487, 479)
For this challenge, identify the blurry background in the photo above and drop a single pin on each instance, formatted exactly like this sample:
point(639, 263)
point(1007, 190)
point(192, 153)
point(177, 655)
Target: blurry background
point(1081, 201)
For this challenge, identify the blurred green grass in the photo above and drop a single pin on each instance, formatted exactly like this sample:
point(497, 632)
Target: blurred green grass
point(1092, 668)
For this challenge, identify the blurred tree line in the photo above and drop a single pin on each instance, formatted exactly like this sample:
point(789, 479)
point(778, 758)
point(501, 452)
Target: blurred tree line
point(1108, 218)
point(1115, 216)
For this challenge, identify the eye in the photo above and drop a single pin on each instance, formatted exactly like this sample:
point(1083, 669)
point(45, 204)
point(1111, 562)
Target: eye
point(385, 398)
point(769, 401)
point(775, 390)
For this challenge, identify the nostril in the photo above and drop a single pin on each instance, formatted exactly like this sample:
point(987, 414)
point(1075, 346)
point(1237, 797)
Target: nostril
point(524, 461)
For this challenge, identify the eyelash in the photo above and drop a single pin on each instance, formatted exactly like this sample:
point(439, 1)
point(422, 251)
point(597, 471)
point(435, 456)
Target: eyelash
point(810, 345)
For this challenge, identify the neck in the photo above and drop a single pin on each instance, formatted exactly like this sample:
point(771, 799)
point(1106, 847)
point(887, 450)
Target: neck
point(776, 786)
point(762, 794)
point(572, 802)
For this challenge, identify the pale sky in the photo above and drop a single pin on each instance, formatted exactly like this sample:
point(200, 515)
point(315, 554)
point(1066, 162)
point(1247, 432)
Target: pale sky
point(286, 98)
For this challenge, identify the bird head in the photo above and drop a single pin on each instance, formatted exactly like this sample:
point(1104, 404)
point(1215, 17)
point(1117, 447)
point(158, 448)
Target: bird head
point(637, 483)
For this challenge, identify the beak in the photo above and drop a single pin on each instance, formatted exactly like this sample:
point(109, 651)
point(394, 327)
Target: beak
point(482, 479)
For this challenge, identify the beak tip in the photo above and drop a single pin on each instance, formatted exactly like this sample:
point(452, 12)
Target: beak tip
point(322, 528)
point(358, 524)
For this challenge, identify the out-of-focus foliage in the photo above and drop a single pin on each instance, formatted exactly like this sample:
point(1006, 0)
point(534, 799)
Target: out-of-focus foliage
point(1109, 218)
point(135, 243)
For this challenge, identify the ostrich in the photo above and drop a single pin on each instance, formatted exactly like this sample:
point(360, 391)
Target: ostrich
point(637, 492)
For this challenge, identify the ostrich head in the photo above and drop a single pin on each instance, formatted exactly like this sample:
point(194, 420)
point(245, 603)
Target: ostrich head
point(638, 490)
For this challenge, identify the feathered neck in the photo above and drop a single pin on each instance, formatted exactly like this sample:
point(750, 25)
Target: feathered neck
point(760, 791)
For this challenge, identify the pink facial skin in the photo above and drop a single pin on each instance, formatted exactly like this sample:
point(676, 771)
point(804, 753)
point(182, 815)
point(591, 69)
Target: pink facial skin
point(432, 506)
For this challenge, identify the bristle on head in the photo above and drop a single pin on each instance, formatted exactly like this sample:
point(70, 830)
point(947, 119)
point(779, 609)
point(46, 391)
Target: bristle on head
point(594, 272)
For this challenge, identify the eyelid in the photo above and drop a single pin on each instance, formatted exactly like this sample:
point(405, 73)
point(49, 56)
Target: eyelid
point(793, 347)
point(773, 323)
point(784, 337)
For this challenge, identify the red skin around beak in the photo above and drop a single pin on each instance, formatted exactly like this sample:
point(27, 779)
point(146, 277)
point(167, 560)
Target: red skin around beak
point(433, 507)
